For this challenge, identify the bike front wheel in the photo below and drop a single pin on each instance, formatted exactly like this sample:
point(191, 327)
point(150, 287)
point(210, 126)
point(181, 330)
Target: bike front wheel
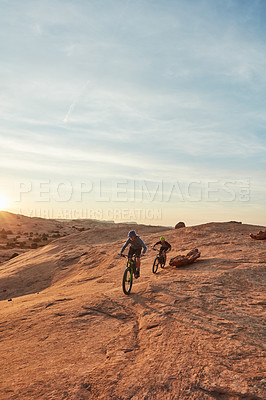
point(155, 265)
point(127, 280)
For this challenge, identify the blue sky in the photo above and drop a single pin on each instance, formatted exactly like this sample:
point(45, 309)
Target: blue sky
point(129, 98)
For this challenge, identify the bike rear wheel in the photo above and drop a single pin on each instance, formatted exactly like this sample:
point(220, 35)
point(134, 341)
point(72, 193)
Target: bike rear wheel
point(162, 261)
point(155, 265)
point(127, 280)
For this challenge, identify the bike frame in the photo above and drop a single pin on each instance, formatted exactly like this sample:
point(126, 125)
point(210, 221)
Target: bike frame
point(159, 259)
point(131, 268)
point(163, 254)
point(131, 262)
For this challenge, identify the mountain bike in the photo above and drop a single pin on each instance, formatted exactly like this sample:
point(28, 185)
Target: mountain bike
point(127, 281)
point(159, 260)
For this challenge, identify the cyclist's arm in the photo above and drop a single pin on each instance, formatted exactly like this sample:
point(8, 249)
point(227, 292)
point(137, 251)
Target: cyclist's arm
point(143, 246)
point(156, 244)
point(125, 245)
point(169, 247)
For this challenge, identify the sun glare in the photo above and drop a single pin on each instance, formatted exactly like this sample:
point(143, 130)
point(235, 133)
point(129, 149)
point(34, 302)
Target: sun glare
point(3, 202)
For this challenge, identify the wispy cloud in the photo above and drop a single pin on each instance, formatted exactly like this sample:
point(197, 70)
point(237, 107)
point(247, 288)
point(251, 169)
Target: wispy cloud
point(75, 102)
point(133, 89)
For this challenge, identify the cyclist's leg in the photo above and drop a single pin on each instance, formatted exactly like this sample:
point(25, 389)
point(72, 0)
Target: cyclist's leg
point(138, 252)
point(130, 253)
point(130, 256)
point(161, 255)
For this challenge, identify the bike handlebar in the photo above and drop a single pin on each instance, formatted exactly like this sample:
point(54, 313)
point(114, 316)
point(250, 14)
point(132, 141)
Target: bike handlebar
point(123, 255)
point(166, 251)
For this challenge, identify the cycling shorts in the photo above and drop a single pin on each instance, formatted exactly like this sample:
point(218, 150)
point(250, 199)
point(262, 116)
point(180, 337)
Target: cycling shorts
point(132, 251)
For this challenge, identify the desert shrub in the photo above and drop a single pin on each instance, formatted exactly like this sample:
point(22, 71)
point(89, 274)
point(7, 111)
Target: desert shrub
point(36, 240)
point(34, 245)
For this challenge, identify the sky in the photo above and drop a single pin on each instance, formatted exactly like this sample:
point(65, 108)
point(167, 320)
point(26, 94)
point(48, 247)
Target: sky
point(150, 111)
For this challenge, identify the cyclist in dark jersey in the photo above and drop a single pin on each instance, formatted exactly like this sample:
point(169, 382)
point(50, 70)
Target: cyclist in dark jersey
point(165, 247)
point(136, 245)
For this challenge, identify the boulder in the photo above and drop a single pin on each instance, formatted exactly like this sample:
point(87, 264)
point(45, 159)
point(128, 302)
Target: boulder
point(180, 260)
point(261, 235)
point(180, 225)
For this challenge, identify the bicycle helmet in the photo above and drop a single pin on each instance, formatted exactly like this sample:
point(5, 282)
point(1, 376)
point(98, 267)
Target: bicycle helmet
point(162, 238)
point(132, 234)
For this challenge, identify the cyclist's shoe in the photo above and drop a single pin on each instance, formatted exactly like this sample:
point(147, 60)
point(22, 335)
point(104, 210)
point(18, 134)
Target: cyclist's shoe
point(137, 274)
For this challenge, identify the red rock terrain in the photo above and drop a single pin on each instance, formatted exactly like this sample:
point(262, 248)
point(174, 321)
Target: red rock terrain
point(19, 233)
point(194, 332)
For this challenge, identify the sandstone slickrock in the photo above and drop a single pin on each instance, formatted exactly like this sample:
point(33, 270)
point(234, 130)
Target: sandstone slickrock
point(194, 333)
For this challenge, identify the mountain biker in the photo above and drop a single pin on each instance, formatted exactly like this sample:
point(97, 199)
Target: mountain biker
point(165, 247)
point(136, 244)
